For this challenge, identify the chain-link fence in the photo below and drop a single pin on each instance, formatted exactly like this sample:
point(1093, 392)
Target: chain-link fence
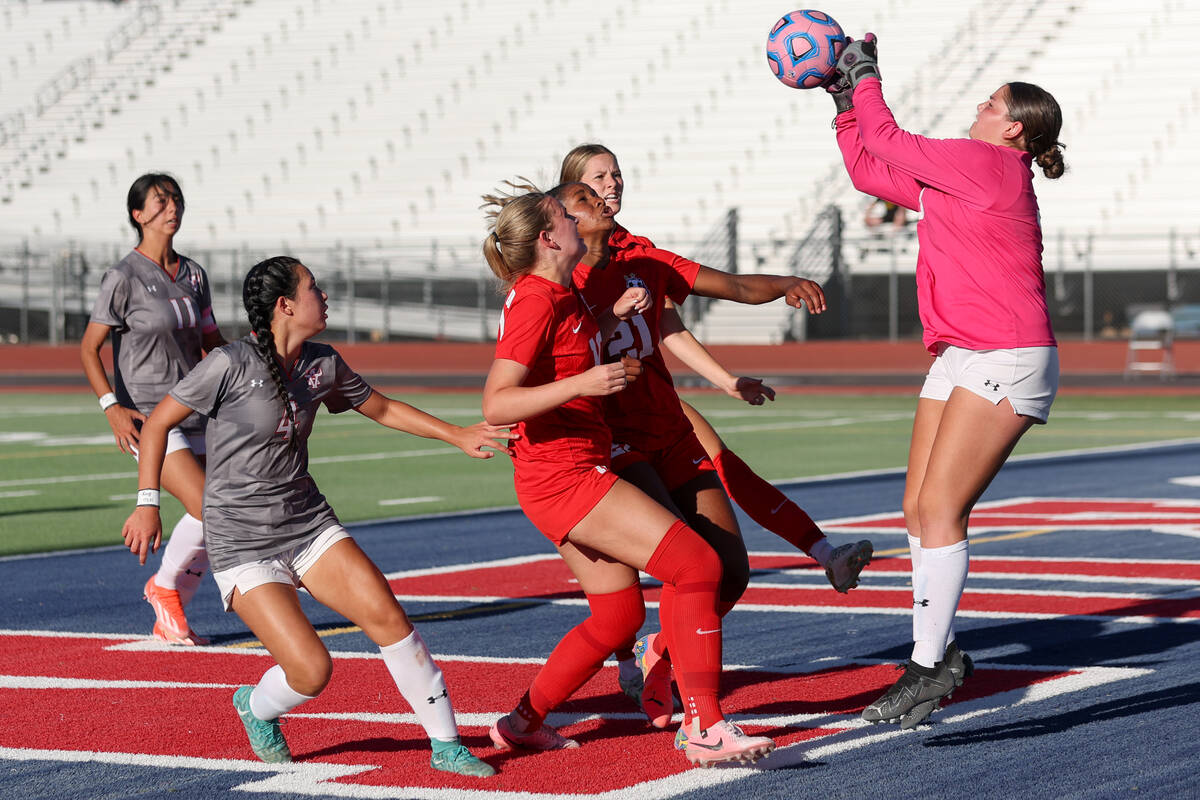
point(1094, 284)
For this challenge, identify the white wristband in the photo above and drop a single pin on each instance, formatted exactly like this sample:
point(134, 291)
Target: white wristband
point(148, 497)
point(107, 401)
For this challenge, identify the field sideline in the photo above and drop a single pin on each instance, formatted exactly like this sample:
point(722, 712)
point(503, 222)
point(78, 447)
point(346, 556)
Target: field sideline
point(63, 483)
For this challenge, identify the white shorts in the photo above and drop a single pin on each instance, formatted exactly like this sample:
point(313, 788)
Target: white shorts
point(178, 440)
point(1027, 376)
point(287, 567)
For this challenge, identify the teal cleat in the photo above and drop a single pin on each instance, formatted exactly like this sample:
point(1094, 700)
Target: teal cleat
point(266, 740)
point(458, 759)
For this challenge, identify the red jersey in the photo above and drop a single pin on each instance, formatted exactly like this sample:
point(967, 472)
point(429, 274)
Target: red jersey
point(546, 327)
point(646, 415)
point(621, 238)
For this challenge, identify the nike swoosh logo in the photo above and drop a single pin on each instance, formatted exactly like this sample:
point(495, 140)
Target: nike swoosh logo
point(702, 633)
point(698, 460)
point(713, 747)
point(577, 327)
point(775, 510)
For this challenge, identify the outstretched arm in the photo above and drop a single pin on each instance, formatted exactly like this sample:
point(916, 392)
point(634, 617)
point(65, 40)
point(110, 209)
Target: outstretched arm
point(688, 349)
point(476, 440)
point(756, 289)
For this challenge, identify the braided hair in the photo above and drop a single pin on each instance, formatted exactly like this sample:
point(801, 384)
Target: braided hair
point(266, 282)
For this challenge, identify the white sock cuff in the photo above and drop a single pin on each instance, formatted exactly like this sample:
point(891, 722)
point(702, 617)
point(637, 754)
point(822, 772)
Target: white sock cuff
point(944, 552)
point(272, 697)
point(410, 642)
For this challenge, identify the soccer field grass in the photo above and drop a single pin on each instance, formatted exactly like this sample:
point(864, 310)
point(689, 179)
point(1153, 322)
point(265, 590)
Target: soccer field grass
point(64, 484)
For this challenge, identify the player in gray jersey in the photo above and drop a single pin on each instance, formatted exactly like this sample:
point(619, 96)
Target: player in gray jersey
point(158, 308)
point(269, 528)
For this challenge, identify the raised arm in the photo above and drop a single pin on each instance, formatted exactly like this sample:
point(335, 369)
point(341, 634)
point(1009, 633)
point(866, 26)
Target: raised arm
point(476, 440)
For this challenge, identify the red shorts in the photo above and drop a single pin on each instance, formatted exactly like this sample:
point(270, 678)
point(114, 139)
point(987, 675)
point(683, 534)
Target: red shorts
point(677, 463)
point(556, 499)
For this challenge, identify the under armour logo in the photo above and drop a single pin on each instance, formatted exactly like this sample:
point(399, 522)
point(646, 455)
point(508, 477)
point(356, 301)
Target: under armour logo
point(152, 289)
point(256, 382)
point(995, 387)
point(437, 697)
point(199, 574)
point(921, 603)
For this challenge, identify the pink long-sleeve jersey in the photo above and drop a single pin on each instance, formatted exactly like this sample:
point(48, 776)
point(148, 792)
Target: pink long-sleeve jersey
point(979, 267)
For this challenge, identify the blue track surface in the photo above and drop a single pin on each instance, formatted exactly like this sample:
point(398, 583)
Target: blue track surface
point(1133, 735)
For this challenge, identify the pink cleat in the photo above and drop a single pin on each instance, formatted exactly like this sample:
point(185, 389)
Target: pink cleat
point(504, 737)
point(171, 623)
point(723, 742)
point(657, 700)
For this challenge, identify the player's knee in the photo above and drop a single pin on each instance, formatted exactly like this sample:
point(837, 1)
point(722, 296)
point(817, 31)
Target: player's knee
point(934, 513)
point(312, 676)
point(616, 617)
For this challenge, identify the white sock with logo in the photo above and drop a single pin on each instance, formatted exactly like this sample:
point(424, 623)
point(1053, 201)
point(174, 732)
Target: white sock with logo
point(420, 682)
point(937, 588)
point(185, 546)
point(272, 697)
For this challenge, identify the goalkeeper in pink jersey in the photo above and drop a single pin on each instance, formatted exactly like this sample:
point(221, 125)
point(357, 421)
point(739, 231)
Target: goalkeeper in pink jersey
point(982, 301)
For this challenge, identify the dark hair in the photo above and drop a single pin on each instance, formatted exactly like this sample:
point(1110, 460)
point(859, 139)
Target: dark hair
point(1041, 121)
point(574, 162)
point(136, 199)
point(266, 282)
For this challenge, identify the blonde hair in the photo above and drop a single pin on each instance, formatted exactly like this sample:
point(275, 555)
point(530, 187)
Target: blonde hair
point(575, 161)
point(516, 218)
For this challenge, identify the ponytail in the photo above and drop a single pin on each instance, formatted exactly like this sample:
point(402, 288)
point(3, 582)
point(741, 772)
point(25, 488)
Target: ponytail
point(266, 282)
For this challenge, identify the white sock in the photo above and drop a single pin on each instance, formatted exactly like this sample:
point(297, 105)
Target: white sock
point(821, 551)
point(272, 697)
point(185, 546)
point(914, 550)
point(420, 682)
point(936, 592)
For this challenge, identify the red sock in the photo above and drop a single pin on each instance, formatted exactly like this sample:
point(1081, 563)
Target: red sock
point(615, 617)
point(765, 504)
point(688, 563)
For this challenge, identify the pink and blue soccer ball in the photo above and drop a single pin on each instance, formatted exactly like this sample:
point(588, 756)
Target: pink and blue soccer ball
point(803, 48)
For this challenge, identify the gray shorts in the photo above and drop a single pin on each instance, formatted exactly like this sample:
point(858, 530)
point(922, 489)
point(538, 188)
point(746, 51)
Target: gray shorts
point(1027, 376)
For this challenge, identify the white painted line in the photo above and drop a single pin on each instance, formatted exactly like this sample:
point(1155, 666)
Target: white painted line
point(1188, 480)
point(21, 493)
point(404, 501)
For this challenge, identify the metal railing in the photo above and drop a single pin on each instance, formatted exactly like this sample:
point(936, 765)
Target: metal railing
point(1095, 282)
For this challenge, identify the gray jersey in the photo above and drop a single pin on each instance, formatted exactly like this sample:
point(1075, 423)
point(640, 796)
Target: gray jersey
point(157, 326)
point(258, 496)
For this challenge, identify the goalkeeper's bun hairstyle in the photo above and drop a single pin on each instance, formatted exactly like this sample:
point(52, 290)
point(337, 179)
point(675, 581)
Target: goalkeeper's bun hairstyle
point(1039, 114)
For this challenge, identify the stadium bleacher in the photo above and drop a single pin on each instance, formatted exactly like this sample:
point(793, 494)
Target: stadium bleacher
point(310, 123)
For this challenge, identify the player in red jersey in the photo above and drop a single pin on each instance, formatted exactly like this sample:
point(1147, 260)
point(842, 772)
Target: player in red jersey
point(548, 377)
point(596, 165)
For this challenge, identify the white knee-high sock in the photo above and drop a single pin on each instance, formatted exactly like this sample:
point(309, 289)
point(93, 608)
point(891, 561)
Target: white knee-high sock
point(914, 549)
point(272, 697)
point(184, 551)
point(937, 589)
point(420, 682)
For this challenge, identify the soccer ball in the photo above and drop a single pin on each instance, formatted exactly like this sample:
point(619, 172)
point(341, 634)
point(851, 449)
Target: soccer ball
point(803, 48)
